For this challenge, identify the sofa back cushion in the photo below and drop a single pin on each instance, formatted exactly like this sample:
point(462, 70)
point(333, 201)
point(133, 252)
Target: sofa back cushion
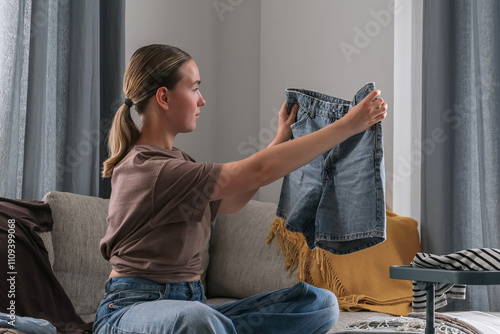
point(79, 225)
point(241, 264)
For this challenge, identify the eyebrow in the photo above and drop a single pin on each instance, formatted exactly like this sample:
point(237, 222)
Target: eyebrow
point(197, 82)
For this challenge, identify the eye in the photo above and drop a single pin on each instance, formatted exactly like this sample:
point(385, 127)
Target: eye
point(196, 89)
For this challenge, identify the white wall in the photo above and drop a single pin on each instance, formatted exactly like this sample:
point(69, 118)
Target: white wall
point(239, 79)
point(249, 51)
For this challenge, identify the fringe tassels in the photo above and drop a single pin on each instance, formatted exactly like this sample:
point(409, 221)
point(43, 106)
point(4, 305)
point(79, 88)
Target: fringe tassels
point(313, 266)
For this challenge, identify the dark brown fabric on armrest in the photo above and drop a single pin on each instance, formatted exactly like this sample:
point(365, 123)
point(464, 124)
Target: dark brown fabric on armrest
point(38, 294)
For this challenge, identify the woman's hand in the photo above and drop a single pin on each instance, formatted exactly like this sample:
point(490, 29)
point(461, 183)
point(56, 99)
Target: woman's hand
point(368, 112)
point(285, 121)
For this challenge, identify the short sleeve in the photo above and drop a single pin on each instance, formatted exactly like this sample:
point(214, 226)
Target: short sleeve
point(182, 191)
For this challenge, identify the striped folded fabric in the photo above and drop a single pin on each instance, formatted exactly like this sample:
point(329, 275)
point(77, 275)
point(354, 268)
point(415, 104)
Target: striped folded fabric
point(479, 259)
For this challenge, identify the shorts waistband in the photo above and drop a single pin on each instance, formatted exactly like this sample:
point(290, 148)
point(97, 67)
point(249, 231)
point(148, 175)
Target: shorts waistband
point(320, 103)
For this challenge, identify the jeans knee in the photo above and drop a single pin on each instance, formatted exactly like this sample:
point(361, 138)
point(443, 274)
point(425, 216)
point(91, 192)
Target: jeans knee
point(325, 303)
point(204, 319)
point(331, 307)
point(332, 304)
point(322, 298)
point(330, 300)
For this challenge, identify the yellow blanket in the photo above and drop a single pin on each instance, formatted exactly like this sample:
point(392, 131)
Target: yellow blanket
point(359, 280)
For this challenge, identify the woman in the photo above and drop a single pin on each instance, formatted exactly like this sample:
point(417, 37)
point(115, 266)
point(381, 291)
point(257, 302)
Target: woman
point(162, 203)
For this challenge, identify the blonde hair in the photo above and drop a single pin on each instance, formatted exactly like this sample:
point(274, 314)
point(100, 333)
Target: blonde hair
point(149, 68)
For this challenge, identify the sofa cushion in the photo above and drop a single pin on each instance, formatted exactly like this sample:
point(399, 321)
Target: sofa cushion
point(79, 224)
point(241, 264)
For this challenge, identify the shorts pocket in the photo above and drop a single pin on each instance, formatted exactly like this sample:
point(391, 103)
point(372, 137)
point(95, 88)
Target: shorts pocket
point(300, 128)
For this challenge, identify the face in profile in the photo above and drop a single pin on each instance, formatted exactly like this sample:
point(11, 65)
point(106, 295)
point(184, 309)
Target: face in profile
point(185, 100)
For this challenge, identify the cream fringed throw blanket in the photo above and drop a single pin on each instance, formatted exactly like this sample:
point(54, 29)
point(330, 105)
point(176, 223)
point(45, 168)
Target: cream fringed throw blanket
point(359, 280)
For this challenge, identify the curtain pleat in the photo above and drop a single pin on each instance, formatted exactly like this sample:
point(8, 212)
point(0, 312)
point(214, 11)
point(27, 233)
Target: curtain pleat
point(62, 64)
point(461, 91)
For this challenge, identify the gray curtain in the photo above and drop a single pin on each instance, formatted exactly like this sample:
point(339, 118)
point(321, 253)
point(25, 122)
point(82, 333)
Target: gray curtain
point(61, 66)
point(461, 124)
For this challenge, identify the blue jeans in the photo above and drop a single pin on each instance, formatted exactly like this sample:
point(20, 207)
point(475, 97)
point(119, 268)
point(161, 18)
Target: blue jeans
point(27, 324)
point(138, 305)
point(337, 201)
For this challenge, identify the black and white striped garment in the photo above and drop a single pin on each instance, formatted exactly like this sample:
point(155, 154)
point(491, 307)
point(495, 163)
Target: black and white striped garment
point(470, 259)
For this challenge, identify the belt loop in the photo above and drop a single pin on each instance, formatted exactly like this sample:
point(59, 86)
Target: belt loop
point(312, 111)
point(108, 284)
point(166, 293)
point(191, 290)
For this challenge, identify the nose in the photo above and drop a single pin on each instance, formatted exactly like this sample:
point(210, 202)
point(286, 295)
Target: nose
point(201, 101)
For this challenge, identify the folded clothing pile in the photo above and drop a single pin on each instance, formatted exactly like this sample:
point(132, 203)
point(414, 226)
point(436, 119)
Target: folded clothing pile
point(479, 259)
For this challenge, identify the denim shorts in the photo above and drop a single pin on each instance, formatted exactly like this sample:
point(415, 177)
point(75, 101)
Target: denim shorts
point(337, 201)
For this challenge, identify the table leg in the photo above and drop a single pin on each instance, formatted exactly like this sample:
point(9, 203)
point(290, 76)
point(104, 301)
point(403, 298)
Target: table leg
point(430, 289)
point(429, 307)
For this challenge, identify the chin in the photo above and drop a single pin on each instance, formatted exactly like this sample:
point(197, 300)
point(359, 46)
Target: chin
point(190, 129)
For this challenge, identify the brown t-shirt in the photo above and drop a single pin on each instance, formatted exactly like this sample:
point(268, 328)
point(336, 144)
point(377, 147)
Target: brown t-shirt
point(159, 214)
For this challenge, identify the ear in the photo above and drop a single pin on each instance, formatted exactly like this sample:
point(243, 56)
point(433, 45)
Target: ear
point(162, 95)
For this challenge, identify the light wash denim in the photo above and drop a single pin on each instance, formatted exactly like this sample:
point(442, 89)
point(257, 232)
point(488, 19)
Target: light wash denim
point(27, 325)
point(337, 201)
point(141, 306)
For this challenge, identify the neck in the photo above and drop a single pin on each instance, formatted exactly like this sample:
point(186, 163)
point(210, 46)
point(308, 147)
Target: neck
point(153, 132)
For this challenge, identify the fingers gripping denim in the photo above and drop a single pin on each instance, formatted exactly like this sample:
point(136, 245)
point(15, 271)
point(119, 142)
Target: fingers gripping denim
point(140, 306)
point(337, 201)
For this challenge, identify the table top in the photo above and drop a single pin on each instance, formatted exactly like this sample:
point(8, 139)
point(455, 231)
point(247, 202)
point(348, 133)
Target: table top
point(445, 276)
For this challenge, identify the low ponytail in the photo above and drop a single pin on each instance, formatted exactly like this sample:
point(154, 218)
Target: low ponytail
point(150, 68)
point(124, 133)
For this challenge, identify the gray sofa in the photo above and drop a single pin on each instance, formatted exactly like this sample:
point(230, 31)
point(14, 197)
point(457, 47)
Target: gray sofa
point(238, 262)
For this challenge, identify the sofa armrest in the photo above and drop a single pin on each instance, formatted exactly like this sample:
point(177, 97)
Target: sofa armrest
point(79, 224)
